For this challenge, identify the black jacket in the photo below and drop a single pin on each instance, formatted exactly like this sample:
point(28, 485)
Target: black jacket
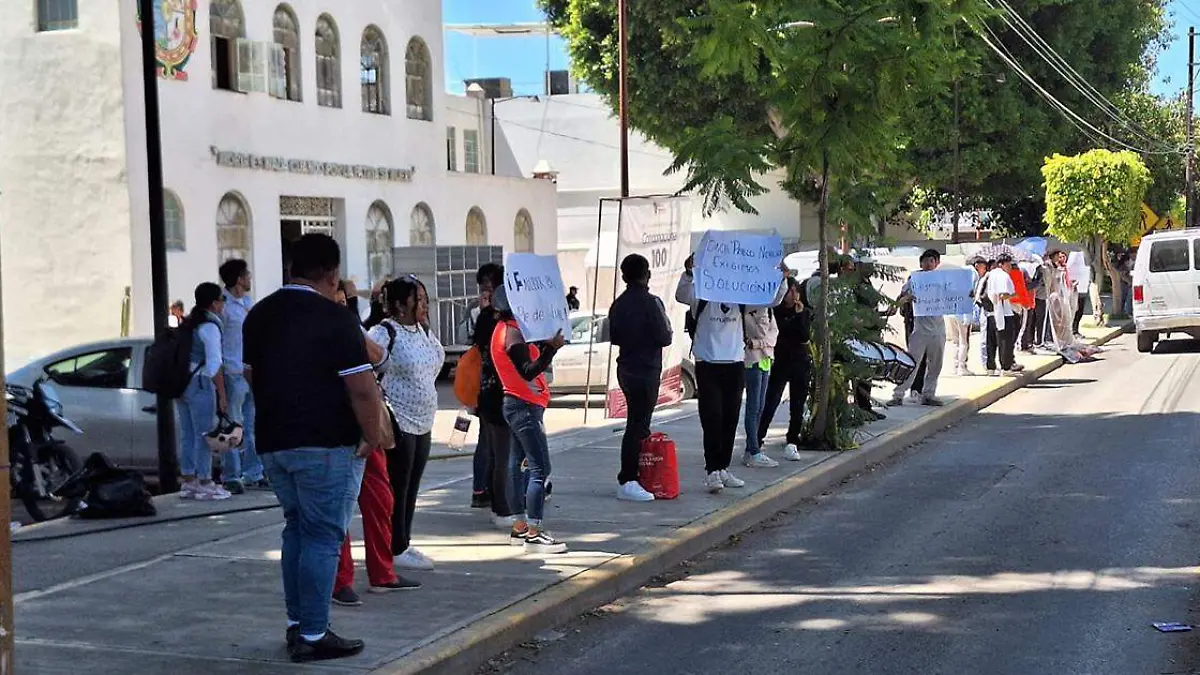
point(638, 324)
point(491, 392)
point(795, 332)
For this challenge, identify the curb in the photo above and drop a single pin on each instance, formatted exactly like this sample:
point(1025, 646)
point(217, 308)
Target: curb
point(464, 649)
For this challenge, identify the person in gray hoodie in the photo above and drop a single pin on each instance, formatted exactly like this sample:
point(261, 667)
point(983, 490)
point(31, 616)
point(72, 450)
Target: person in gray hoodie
point(718, 344)
point(761, 331)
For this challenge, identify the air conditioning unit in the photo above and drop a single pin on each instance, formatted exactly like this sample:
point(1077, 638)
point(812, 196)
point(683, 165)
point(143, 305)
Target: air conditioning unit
point(561, 82)
point(493, 87)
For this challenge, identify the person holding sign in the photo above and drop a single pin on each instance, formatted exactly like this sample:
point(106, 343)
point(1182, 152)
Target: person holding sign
point(926, 344)
point(521, 367)
point(718, 343)
point(640, 328)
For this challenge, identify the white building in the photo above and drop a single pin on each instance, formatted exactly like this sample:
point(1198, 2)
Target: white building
point(577, 135)
point(277, 119)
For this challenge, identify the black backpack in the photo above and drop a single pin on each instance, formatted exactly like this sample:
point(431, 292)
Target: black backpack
point(168, 368)
point(108, 491)
point(983, 300)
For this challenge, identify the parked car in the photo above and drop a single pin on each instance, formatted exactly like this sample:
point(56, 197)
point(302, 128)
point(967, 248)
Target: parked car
point(99, 386)
point(1166, 279)
point(589, 337)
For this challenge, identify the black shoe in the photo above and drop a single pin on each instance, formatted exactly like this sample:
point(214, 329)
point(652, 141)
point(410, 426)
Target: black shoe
point(328, 647)
point(293, 636)
point(235, 487)
point(346, 597)
point(481, 500)
point(400, 584)
point(261, 484)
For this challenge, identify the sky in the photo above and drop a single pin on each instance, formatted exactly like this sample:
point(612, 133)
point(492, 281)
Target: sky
point(524, 59)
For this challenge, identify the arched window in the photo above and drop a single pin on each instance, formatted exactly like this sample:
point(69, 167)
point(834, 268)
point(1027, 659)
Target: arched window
point(285, 56)
point(233, 229)
point(476, 228)
point(173, 214)
point(418, 74)
point(421, 232)
point(226, 25)
point(379, 242)
point(374, 72)
point(523, 232)
point(329, 63)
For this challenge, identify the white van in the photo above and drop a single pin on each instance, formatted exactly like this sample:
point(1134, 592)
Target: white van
point(1166, 286)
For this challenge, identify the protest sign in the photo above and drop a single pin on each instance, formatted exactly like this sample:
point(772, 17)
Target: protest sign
point(944, 292)
point(534, 286)
point(1079, 271)
point(737, 268)
point(660, 230)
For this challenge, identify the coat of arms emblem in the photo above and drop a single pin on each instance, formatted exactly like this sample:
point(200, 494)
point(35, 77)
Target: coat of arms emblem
point(174, 36)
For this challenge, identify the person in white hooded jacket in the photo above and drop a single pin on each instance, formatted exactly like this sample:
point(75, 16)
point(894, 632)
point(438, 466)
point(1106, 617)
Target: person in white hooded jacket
point(719, 345)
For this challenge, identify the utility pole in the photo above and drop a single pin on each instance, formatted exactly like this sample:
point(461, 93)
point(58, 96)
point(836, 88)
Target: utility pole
point(1189, 191)
point(623, 67)
point(168, 464)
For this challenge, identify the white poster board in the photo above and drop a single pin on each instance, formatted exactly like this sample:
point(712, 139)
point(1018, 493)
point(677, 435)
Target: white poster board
point(1079, 271)
point(942, 292)
point(736, 268)
point(660, 230)
point(534, 287)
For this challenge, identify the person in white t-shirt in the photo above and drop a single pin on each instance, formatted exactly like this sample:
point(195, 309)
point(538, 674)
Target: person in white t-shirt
point(1002, 322)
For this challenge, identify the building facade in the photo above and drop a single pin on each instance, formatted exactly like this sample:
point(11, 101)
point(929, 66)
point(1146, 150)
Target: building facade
point(277, 120)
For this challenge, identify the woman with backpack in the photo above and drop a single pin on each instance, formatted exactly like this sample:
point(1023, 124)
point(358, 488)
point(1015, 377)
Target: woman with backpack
point(204, 397)
point(409, 376)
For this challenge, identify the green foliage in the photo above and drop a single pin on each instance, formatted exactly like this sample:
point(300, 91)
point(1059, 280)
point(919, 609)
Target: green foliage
point(1165, 119)
point(1006, 128)
point(1098, 193)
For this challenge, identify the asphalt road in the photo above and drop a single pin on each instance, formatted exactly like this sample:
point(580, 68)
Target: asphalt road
point(1042, 536)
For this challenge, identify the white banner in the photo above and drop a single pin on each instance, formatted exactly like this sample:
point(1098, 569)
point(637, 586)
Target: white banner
point(535, 292)
point(737, 268)
point(660, 230)
point(1079, 271)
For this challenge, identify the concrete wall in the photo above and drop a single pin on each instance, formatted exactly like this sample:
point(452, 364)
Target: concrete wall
point(64, 202)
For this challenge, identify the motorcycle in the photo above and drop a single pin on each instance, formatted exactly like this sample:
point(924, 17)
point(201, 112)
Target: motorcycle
point(39, 463)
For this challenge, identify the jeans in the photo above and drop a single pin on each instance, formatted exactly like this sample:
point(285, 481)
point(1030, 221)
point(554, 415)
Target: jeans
point(242, 463)
point(406, 464)
point(1081, 300)
point(756, 395)
point(316, 488)
point(1126, 299)
point(719, 387)
point(197, 416)
point(528, 444)
point(375, 502)
point(1033, 325)
point(1002, 341)
point(795, 373)
point(641, 395)
point(499, 444)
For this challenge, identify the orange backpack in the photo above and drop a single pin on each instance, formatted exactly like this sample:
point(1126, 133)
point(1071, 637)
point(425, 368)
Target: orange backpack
point(467, 375)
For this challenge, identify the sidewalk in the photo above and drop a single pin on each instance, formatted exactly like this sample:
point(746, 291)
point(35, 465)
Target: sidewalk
point(214, 606)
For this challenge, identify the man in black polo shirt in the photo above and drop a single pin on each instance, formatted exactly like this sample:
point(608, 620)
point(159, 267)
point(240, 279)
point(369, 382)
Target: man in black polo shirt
point(319, 415)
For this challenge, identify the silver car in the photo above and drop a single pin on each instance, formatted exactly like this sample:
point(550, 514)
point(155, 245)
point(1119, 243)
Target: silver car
point(100, 388)
point(590, 340)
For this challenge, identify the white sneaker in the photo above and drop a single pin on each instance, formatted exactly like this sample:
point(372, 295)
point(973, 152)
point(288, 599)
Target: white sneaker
point(1010, 373)
point(634, 492)
point(503, 522)
point(964, 372)
point(189, 490)
point(993, 373)
point(758, 461)
point(731, 481)
point(713, 482)
point(211, 492)
point(412, 559)
point(791, 453)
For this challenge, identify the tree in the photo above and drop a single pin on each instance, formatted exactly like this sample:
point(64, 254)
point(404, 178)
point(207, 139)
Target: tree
point(1005, 128)
point(1095, 198)
point(735, 89)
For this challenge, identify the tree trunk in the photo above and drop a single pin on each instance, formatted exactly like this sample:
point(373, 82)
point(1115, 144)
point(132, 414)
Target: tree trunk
point(821, 402)
point(1118, 295)
point(1097, 252)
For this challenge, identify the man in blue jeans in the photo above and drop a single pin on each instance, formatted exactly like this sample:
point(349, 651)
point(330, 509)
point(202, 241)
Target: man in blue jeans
point(320, 414)
point(241, 466)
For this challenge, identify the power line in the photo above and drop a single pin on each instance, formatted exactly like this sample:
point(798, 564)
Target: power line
point(1043, 49)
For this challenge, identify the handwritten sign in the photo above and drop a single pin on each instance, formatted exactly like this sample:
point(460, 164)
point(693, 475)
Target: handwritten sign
point(738, 268)
point(534, 286)
point(944, 292)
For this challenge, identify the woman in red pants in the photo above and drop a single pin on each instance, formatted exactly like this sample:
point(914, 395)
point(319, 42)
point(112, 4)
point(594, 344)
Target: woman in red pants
point(375, 501)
